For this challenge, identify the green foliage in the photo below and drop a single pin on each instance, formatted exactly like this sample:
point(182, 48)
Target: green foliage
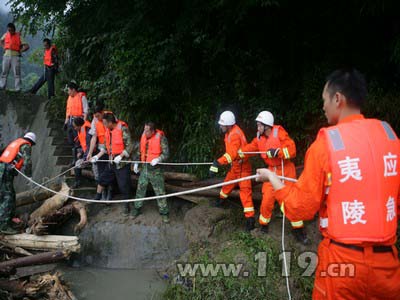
point(242, 248)
point(181, 63)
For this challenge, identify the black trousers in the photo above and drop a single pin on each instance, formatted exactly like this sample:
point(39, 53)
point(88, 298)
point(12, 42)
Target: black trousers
point(48, 76)
point(122, 176)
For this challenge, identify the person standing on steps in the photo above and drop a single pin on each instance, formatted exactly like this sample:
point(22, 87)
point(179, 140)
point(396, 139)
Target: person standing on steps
point(13, 45)
point(235, 140)
point(153, 150)
point(98, 147)
point(82, 129)
point(16, 155)
point(351, 178)
point(77, 107)
point(50, 65)
point(119, 147)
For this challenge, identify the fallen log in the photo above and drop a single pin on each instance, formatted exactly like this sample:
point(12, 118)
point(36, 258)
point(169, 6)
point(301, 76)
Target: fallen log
point(167, 175)
point(214, 193)
point(45, 225)
point(196, 199)
point(51, 205)
point(44, 242)
point(37, 259)
point(35, 195)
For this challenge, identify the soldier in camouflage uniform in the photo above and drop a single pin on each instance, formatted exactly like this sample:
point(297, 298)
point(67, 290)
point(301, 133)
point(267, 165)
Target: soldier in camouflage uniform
point(153, 150)
point(16, 155)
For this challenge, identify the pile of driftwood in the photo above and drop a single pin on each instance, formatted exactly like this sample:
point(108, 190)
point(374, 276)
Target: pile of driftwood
point(178, 182)
point(27, 260)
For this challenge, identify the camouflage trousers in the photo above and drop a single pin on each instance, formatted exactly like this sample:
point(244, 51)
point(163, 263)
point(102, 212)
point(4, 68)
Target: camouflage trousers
point(156, 177)
point(7, 194)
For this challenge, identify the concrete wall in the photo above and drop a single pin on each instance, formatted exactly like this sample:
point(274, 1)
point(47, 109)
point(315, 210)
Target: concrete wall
point(20, 113)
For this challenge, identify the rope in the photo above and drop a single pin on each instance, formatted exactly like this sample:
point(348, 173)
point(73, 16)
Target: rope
point(160, 163)
point(145, 198)
point(283, 242)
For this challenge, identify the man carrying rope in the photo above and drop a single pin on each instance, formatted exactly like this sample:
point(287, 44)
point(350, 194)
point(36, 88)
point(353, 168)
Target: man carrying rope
point(351, 177)
point(16, 155)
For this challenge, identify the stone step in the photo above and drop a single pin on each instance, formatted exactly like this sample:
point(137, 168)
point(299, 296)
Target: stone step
point(58, 133)
point(64, 160)
point(59, 142)
point(63, 150)
point(56, 125)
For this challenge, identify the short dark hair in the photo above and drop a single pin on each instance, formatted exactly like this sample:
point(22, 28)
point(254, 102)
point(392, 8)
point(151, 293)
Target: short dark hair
point(79, 122)
point(151, 125)
point(72, 85)
point(99, 108)
point(46, 40)
point(351, 83)
point(11, 25)
point(109, 117)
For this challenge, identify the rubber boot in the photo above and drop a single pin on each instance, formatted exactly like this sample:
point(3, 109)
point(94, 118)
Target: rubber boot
point(250, 223)
point(98, 196)
point(104, 194)
point(136, 212)
point(165, 218)
point(7, 229)
point(126, 209)
point(301, 236)
point(264, 228)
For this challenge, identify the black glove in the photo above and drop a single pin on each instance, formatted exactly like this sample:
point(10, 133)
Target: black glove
point(65, 127)
point(213, 169)
point(273, 152)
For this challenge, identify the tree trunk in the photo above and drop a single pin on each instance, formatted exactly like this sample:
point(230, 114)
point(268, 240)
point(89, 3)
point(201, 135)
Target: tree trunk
point(35, 195)
point(50, 205)
point(44, 242)
point(37, 259)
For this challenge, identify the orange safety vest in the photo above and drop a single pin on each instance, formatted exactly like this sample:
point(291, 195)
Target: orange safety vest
point(227, 139)
point(101, 129)
point(11, 154)
point(82, 135)
point(12, 42)
point(363, 184)
point(114, 139)
point(47, 59)
point(151, 148)
point(273, 141)
point(75, 106)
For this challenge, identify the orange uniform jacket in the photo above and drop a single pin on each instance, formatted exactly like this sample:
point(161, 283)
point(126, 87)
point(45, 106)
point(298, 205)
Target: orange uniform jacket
point(305, 198)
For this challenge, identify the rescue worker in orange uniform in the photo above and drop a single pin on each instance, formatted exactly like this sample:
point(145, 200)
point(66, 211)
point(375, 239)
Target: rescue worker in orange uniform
point(77, 107)
point(235, 139)
point(277, 151)
point(97, 150)
point(118, 143)
point(50, 65)
point(83, 139)
point(16, 155)
point(351, 176)
point(13, 45)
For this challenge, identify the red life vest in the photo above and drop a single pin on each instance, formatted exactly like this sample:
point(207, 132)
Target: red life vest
point(151, 148)
point(114, 139)
point(75, 106)
point(47, 59)
point(101, 129)
point(11, 153)
point(12, 42)
point(364, 182)
point(273, 141)
point(82, 135)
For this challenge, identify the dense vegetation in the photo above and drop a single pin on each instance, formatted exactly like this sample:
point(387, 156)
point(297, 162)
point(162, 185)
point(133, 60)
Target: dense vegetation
point(181, 62)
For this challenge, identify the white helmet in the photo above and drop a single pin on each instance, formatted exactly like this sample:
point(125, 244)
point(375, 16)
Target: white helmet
point(31, 136)
point(227, 118)
point(266, 118)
